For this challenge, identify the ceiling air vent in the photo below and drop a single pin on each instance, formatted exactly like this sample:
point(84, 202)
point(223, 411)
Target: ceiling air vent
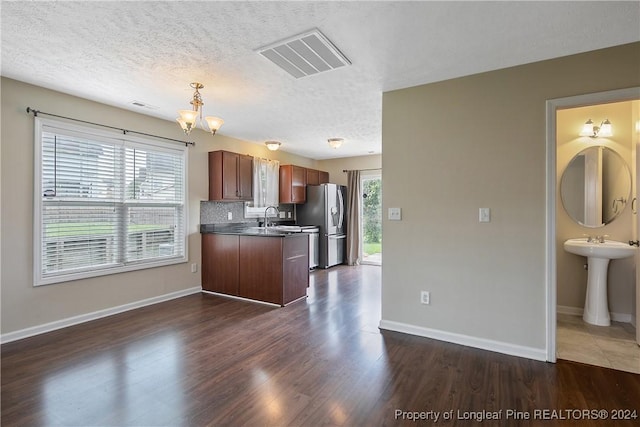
point(305, 54)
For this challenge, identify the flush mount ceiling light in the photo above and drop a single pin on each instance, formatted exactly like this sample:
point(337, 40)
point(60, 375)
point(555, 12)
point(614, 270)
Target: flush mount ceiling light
point(273, 145)
point(593, 131)
point(335, 142)
point(189, 118)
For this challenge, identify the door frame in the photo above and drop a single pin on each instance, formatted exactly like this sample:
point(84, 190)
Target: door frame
point(552, 105)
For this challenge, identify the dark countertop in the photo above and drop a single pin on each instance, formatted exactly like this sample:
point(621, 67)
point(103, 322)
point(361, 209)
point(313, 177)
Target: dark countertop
point(242, 229)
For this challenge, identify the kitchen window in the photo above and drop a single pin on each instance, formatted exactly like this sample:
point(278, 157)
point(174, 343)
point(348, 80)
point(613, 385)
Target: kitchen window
point(105, 203)
point(266, 188)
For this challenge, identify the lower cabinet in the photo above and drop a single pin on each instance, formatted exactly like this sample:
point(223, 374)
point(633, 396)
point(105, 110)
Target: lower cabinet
point(269, 269)
point(220, 263)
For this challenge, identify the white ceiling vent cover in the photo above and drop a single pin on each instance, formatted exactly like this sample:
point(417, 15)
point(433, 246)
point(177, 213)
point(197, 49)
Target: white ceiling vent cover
point(305, 54)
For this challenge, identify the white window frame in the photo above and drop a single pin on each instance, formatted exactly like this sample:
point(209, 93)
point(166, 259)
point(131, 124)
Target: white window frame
point(118, 138)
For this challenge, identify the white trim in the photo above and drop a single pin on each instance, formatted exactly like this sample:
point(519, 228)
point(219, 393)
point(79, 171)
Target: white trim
point(550, 260)
point(577, 311)
point(111, 137)
point(82, 318)
point(469, 341)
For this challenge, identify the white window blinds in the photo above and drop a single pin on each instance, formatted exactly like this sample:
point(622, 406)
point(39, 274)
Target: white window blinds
point(105, 204)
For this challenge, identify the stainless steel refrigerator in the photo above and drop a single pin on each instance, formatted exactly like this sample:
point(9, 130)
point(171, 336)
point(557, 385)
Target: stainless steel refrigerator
point(326, 208)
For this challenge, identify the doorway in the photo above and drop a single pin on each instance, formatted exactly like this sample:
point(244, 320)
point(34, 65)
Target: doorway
point(557, 323)
point(371, 223)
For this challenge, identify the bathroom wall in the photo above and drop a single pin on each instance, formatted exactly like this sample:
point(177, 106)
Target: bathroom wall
point(571, 275)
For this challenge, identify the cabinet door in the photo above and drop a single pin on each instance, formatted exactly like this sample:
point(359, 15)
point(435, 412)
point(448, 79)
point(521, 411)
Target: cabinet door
point(313, 177)
point(245, 177)
point(323, 177)
point(298, 184)
point(296, 267)
point(230, 189)
point(261, 268)
point(220, 263)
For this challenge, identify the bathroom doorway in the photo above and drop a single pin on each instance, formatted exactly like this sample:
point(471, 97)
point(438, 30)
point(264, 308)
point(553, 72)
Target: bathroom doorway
point(568, 335)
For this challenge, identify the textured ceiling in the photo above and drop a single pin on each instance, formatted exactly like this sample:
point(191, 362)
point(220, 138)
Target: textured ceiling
point(118, 52)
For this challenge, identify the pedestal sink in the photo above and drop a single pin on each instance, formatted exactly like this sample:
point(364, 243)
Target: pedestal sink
point(596, 307)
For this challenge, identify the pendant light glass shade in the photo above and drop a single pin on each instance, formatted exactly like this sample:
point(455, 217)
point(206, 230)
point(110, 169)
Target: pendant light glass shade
point(605, 129)
point(214, 123)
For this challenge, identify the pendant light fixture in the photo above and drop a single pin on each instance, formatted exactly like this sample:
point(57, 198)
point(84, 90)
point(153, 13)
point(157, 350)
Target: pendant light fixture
point(189, 118)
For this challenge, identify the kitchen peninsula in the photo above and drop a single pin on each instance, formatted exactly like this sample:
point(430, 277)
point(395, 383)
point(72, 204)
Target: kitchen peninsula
point(257, 263)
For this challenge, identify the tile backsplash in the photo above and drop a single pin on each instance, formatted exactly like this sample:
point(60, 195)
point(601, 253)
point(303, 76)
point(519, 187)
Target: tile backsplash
point(218, 212)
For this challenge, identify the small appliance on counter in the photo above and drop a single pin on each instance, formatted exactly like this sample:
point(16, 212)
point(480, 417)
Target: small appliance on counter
point(326, 209)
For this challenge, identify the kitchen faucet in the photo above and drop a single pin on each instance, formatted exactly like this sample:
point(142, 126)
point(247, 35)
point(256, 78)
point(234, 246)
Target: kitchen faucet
point(266, 224)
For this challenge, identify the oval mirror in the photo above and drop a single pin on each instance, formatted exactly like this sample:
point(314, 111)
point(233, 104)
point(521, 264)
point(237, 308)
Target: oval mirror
point(595, 186)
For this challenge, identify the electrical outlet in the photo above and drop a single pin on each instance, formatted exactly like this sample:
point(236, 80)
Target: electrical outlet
point(229, 216)
point(425, 298)
point(289, 214)
point(283, 215)
point(194, 268)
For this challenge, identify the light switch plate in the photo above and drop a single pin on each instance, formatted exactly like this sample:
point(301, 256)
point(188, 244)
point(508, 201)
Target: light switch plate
point(484, 215)
point(395, 214)
point(283, 215)
point(229, 216)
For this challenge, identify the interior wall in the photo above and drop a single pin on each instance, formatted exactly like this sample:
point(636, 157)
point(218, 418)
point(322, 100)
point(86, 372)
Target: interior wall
point(24, 306)
point(571, 276)
point(336, 166)
point(452, 147)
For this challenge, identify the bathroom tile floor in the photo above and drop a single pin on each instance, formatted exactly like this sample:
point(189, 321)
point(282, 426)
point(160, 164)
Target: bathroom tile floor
point(608, 346)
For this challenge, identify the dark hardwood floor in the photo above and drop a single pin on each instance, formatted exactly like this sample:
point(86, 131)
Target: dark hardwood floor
point(208, 360)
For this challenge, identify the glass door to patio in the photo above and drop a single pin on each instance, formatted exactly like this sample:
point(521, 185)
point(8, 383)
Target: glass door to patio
point(371, 228)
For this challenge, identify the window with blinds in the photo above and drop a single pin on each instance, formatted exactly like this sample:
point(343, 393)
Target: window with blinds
point(105, 203)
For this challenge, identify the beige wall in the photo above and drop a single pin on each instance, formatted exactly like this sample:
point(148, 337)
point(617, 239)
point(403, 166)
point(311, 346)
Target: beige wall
point(452, 147)
point(25, 306)
point(336, 166)
point(571, 276)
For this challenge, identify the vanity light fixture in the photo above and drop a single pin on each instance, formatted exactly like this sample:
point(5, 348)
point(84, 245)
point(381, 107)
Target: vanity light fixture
point(335, 142)
point(273, 145)
point(189, 118)
point(593, 131)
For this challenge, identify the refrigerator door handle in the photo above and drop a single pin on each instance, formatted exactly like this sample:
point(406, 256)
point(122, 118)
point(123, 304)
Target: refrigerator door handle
point(341, 236)
point(341, 205)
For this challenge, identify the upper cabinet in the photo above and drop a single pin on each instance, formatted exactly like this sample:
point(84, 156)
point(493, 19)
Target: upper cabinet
point(294, 180)
point(316, 177)
point(293, 183)
point(230, 176)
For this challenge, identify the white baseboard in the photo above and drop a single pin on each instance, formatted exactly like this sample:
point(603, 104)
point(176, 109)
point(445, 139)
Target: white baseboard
point(481, 343)
point(70, 321)
point(577, 311)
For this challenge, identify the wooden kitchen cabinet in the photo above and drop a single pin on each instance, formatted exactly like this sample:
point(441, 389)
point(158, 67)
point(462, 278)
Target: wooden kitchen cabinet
point(316, 177)
point(220, 263)
point(274, 269)
point(293, 183)
point(269, 269)
point(230, 176)
point(323, 177)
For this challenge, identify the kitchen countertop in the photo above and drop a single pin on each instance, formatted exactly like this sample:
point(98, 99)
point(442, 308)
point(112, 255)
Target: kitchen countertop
point(247, 230)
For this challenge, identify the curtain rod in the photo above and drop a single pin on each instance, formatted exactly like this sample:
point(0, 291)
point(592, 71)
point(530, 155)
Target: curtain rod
point(124, 131)
point(362, 170)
